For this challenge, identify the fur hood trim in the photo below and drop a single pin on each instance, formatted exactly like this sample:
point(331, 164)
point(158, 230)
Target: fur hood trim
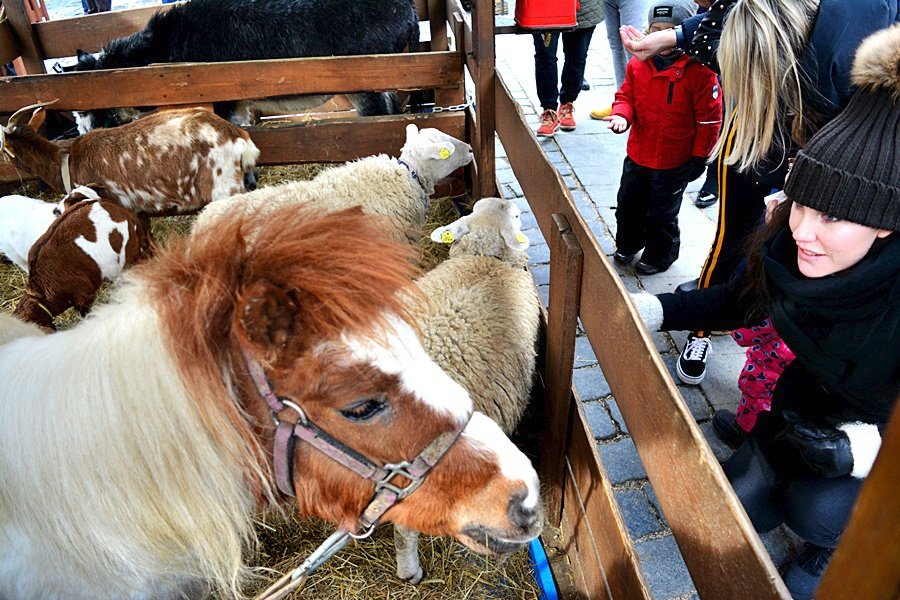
point(877, 62)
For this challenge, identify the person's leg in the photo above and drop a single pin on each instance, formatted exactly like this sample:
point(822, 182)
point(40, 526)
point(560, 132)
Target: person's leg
point(613, 22)
point(754, 483)
point(631, 210)
point(816, 509)
point(575, 50)
point(663, 235)
point(546, 75)
point(709, 192)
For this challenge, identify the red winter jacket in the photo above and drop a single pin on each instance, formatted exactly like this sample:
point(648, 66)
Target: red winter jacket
point(674, 114)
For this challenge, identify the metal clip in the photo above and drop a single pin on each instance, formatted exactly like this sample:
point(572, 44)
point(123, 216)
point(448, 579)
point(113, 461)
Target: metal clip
point(402, 469)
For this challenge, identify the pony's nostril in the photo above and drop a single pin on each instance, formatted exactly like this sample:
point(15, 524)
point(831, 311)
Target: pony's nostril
point(521, 515)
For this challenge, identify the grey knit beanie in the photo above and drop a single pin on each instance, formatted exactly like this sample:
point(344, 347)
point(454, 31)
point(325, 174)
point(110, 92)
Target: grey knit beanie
point(850, 169)
point(671, 11)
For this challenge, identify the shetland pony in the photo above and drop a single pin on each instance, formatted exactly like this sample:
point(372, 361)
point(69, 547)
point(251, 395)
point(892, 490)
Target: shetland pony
point(135, 447)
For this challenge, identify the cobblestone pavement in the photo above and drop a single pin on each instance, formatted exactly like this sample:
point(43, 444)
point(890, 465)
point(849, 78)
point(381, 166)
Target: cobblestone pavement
point(590, 161)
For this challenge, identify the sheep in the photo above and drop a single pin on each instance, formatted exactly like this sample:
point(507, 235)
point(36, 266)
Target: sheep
point(234, 30)
point(170, 162)
point(396, 189)
point(92, 240)
point(479, 316)
point(22, 221)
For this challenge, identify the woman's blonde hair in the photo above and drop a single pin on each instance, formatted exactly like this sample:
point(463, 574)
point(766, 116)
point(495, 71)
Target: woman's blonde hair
point(759, 53)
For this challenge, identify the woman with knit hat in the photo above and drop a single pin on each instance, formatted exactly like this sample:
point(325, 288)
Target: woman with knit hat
point(827, 270)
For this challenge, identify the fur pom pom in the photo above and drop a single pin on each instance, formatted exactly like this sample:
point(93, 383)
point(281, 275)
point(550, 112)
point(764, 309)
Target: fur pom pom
point(877, 62)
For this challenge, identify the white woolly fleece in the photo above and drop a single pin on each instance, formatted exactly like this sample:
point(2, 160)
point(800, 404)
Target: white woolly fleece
point(865, 441)
point(650, 309)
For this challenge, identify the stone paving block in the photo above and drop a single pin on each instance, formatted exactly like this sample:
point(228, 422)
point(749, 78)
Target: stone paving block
point(584, 353)
point(661, 341)
point(590, 383)
point(523, 205)
point(538, 253)
point(584, 204)
point(540, 273)
point(696, 402)
point(621, 461)
point(719, 448)
point(664, 567)
point(515, 188)
point(654, 500)
point(571, 182)
point(598, 419)
point(777, 547)
point(505, 176)
point(598, 228)
point(617, 415)
point(544, 295)
point(529, 221)
point(639, 519)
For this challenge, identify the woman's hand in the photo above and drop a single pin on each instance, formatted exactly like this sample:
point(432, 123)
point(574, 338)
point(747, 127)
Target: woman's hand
point(643, 46)
point(616, 123)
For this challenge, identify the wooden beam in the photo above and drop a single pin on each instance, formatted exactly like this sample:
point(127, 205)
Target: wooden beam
point(483, 77)
point(866, 565)
point(437, 18)
point(23, 34)
point(594, 533)
point(200, 83)
point(62, 37)
point(8, 47)
point(565, 288)
point(723, 553)
point(343, 139)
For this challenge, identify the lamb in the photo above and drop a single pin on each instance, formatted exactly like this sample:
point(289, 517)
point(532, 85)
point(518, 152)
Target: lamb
point(22, 221)
point(233, 30)
point(91, 242)
point(479, 319)
point(396, 189)
point(170, 162)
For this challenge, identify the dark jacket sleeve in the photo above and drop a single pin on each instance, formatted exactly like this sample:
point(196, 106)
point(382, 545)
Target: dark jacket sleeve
point(702, 33)
point(720, 307)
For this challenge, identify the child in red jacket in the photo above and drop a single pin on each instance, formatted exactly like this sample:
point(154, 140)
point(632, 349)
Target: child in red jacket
point(673, 107)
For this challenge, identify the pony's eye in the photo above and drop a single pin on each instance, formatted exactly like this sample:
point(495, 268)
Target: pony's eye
point(364, 409)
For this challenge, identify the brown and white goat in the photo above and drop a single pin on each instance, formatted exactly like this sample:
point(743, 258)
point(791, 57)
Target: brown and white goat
point(92, 241)
point(169, 162)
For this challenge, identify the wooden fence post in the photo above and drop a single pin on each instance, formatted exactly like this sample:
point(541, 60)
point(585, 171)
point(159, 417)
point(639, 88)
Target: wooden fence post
point(485, 119)
point(566, 258)
point(20, 21)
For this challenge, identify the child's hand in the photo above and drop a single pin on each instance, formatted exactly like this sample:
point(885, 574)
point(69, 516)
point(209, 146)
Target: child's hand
point(617, 123)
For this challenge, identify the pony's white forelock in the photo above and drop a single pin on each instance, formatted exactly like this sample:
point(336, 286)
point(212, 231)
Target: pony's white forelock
point(110, 484)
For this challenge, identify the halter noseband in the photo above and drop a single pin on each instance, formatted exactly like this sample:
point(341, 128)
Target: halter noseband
point(386, 493)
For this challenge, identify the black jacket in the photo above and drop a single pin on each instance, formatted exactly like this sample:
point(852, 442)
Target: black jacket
point(844, 330)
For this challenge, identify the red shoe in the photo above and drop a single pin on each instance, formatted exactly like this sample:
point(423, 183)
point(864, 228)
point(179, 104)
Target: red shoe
point(567, 117)
point(549, 123)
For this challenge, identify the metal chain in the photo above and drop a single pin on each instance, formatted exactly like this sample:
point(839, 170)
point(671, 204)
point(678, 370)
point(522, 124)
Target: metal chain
point(430, 108)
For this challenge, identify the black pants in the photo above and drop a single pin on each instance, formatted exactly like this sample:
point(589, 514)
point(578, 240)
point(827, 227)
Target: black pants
point(815, 508)
point(550, 88)
point(647, 213)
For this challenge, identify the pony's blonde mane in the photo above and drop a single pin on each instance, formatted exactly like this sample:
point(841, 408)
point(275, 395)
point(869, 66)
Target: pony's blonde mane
point(107, 466)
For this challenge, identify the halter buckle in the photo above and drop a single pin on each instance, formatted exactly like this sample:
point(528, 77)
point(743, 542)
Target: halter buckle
point(401, 469)
point(294, 407)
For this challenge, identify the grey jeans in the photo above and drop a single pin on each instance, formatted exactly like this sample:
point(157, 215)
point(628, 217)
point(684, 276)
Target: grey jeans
point(618, 13)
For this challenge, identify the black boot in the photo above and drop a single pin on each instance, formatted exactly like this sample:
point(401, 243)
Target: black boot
point(802, 576)
point(727, 429)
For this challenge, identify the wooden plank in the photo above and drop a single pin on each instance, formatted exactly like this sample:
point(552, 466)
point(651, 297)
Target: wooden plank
point(23, 34)
point(607, 561)
point(483, 77)
point(62, 37)
point(343, 139)
point(8, 47)
point(724, 555)
point(866, 564)
point(437, 17)
point(200, 83)
point(565, 287)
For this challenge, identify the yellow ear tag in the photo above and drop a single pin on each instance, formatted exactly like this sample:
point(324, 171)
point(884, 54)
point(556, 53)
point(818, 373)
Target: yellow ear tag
point(445, 154)
point(447, 237)
point(521, 237)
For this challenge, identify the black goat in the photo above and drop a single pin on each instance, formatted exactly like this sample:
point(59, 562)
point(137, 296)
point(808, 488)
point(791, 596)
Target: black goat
point(231, 30)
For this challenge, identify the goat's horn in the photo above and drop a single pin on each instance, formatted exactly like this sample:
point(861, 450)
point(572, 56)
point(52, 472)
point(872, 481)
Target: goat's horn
point(14, 119)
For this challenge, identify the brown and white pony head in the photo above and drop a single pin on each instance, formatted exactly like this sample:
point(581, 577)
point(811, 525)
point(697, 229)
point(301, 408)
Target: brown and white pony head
point(318, 300)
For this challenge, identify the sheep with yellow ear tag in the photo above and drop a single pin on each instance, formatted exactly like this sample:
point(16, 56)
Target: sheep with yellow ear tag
point(479, 321)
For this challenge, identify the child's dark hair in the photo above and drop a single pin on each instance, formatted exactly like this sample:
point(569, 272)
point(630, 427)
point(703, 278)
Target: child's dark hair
point(756, 290)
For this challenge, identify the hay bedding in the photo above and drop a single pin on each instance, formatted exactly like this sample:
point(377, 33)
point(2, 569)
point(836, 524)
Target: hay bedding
point(364, 569)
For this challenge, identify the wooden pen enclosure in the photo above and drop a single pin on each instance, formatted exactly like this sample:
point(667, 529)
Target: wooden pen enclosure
point(724, 555)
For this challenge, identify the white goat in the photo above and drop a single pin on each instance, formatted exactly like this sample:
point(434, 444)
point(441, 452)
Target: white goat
point(22, 221)
point(393, 188)
point(479, 321)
